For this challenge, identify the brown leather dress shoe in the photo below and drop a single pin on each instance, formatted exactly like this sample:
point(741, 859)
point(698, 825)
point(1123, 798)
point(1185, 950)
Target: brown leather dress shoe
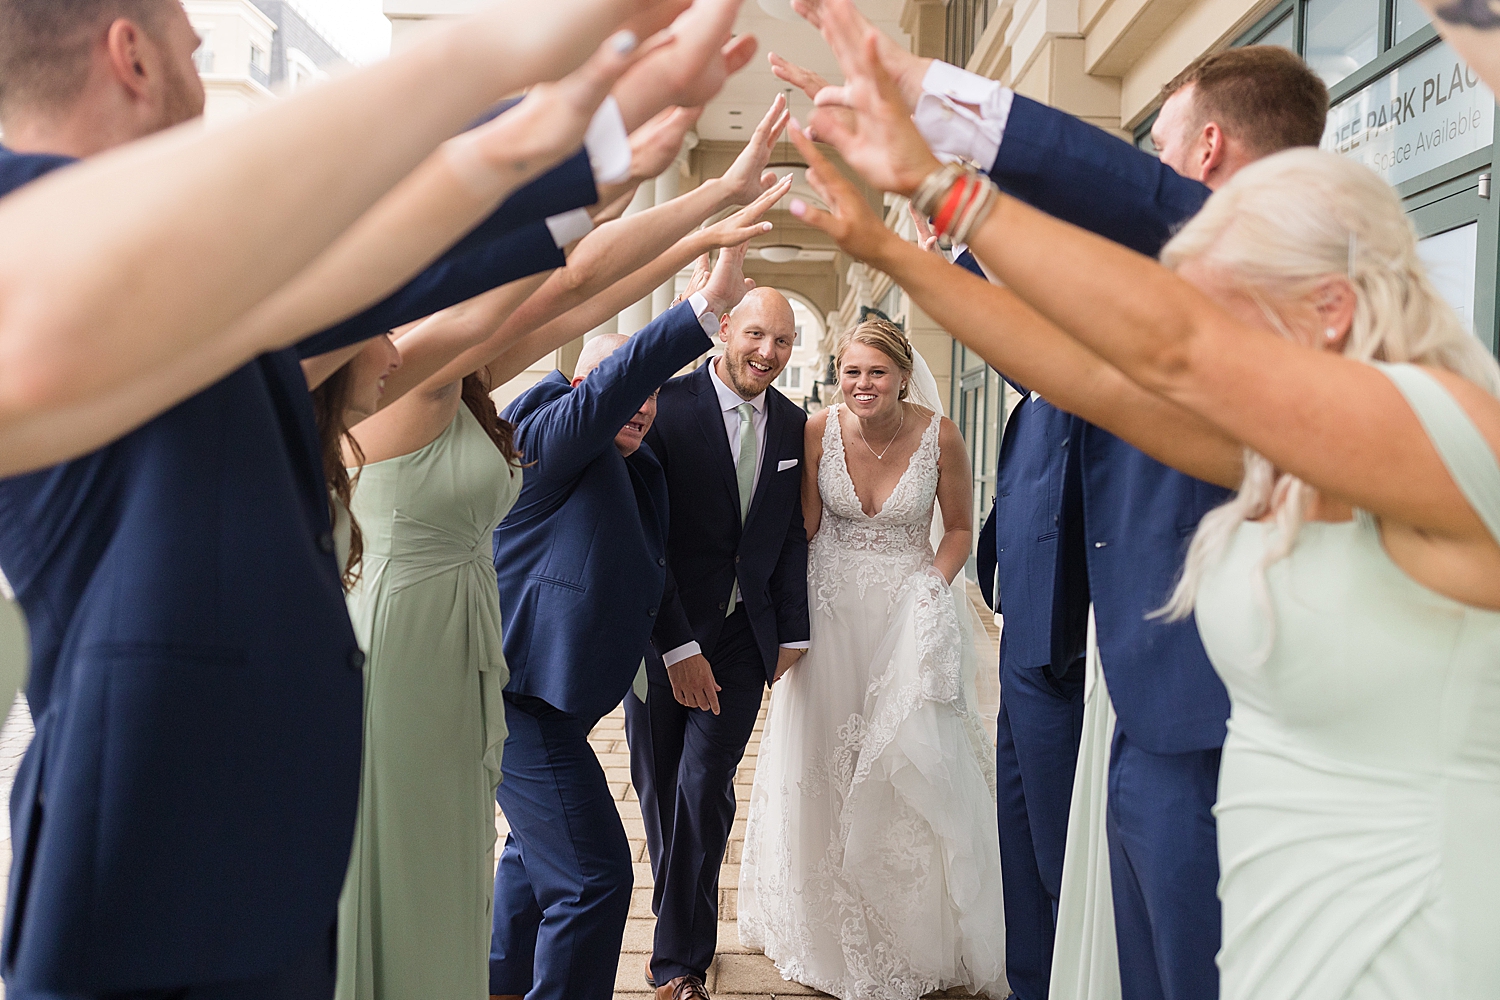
point(651, 982)
point(683, 988)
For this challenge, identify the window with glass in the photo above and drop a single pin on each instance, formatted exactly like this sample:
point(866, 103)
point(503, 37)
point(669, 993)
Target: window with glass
point(1340, 36)
point(1346, 42)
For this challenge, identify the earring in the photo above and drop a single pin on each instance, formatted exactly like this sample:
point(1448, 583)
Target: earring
point(1331, 334)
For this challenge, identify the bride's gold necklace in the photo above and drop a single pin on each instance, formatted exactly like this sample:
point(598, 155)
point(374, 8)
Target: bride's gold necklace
point(880, 455)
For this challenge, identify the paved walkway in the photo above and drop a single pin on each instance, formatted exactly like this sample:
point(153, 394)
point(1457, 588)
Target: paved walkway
point(737, 974)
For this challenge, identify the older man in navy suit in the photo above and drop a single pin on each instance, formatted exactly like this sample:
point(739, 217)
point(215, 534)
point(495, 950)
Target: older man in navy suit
point(735, 621)
point(582, 567)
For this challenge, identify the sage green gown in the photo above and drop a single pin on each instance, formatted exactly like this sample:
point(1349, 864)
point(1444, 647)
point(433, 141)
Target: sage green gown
point(1359, 794)
point(414, 918)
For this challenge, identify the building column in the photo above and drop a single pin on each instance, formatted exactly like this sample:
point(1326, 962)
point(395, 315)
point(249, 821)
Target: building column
point(638, 314)
point(668, 186)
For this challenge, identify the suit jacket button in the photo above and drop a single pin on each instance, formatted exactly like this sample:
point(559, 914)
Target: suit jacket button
point(356, 659)
point(723, 605)
point(652, 612)
point(661, 562)
point(325, 542)
point(736, 560)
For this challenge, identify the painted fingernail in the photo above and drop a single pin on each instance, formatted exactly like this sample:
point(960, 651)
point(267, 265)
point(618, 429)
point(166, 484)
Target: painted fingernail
point(765, 227)
point(798, 207)
point(624, 42)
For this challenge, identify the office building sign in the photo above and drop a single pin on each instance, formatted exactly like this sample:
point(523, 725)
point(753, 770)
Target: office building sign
point(1426, 112)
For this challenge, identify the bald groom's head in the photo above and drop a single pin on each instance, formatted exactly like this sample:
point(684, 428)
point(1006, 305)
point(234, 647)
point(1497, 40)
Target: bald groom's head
point(758, 339)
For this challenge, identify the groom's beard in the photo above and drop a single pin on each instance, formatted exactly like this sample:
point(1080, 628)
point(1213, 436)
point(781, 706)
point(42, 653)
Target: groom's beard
point(740, 376)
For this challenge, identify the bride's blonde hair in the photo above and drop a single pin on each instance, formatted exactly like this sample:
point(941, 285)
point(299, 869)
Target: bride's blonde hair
point(1280, 228)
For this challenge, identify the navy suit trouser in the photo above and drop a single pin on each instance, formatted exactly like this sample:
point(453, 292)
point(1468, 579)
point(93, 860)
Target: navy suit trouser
point(562, 891)
point(683, 762)
point(1164, 865)
point(310, 976)
point(1036, 753)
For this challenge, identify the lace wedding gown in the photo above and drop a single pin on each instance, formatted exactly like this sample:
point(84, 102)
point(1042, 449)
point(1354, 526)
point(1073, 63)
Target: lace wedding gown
point(871, 866)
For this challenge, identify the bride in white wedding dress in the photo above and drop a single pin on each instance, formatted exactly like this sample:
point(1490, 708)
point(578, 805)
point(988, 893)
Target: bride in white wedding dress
point(871, 866)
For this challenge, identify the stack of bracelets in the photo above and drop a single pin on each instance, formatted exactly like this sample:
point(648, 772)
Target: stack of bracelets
point(956, 199)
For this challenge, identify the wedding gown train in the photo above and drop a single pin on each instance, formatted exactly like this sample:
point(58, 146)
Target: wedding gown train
point(871, 865)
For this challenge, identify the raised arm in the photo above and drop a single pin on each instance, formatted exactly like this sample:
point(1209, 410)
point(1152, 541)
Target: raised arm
point(1044, 156)
point(1018, 342)
point(732, 232)
point(1331, 420)
point(568, 433)
point(80, 315)
point(611, 255)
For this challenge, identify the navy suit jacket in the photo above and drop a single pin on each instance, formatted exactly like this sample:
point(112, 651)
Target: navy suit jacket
point(1138, 515)
point(708, 549)
point(581, 559)
point(185, 811)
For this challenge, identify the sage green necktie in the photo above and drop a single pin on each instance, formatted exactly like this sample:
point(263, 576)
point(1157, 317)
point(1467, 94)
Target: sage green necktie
point(745, 471)
point(745, 474)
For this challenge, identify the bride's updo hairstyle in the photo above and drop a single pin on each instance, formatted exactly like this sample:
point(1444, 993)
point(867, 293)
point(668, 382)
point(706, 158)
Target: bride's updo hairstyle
point(1279, 228)
point(887, 338)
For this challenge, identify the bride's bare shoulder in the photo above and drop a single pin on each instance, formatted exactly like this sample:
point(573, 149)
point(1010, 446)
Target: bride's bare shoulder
point(817, 424)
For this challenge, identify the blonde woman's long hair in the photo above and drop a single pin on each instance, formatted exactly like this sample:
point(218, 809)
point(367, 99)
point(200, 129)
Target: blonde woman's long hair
point(1280, 227)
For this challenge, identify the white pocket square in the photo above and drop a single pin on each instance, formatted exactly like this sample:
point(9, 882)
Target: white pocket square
point(786, 463)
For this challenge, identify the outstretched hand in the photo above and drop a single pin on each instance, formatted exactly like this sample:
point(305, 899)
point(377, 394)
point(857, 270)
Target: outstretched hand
point(879, 140)
point(728, 284)
point(550, 121)
point(655, 145)
point(693, 69)
point(747, 178)
point(800, 77)
point(702, 269)
point(735, 229)
point(844, 28)
point(851, 222)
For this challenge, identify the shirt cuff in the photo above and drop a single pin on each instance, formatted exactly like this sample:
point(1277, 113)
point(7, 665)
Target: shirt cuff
point(706, 319)
point(570, 227)
point(957, 131)
point(608, 144)
point(797, 645)
point(946, 80)
point(681, 653)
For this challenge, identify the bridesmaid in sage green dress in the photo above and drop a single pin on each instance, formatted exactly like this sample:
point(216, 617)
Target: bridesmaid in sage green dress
point(414, 541)
point(414, 919)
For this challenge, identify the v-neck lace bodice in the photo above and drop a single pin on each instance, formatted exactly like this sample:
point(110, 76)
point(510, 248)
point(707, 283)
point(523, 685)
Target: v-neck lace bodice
point(886, 547)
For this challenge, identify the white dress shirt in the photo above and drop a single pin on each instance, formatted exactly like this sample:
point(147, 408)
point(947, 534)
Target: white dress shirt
point(608, 148)
point(729, 404)
point(953, 131)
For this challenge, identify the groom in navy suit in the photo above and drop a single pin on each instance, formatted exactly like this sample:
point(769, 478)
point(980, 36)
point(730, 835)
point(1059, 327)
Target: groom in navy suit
point(734, 620)
point(582, 569)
